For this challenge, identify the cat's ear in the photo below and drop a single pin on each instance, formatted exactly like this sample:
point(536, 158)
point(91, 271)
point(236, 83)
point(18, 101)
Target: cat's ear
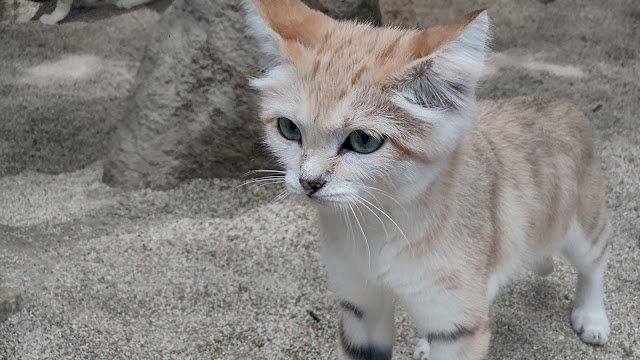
point(283, 28)
point(445, 64)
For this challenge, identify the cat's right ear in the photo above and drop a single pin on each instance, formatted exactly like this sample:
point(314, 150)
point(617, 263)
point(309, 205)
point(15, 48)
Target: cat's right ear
point(283, 29)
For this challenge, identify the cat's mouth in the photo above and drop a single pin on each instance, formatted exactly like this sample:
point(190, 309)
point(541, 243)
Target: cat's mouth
point(326, 200)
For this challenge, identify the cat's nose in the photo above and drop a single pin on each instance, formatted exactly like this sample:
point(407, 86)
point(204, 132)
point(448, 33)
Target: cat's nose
point(312, 186)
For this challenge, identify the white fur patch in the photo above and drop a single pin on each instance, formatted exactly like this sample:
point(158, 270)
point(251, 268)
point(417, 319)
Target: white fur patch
point(272, 78)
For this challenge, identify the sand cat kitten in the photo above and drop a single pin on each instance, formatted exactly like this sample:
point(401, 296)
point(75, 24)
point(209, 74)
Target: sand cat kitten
point(426, 199)
point(64, 6)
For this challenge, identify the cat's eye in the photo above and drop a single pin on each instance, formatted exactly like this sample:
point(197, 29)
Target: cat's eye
point(288, 129)
point(362, 142)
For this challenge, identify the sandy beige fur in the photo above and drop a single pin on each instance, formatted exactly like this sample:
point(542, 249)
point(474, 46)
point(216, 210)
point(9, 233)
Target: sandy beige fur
point(510, 184)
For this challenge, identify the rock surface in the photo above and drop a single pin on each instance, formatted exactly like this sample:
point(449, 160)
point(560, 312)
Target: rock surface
point(361, 10)
point(17, 11)
point(192, 113)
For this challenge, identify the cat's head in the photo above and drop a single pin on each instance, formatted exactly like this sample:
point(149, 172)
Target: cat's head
point(349, 107)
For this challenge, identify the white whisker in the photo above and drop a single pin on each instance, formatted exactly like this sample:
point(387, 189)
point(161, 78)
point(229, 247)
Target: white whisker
point(388, 217)
point(366, 242)
point(263, 184)
point(358, 199)
point(280, 197)
point(269, 179)
point(261, 180)
point(373, 196)
point(263, 171)
point(361, 214)
point(383, 193)
point(347, 220)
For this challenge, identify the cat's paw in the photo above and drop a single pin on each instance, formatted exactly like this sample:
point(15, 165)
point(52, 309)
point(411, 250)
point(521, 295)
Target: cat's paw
point(591, 325)
point(49, 19)
point(422, 350)
point(124, 4)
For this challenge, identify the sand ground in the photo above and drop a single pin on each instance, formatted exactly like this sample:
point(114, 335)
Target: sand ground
point(208, 270)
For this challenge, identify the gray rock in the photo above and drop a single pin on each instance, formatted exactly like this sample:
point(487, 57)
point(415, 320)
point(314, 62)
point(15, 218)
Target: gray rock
point(17, 11)
point(362, 10)
point(192, 114)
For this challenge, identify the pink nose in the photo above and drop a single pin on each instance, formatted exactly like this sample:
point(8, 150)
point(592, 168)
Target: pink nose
point(312, 186)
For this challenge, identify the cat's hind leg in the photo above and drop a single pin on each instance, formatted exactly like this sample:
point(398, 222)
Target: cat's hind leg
point(589, 253)
point(128, 4)
point(61, 11)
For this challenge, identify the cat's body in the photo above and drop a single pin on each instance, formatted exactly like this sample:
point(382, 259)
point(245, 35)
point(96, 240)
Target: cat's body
point(427, 200)
point(63, 7)
point(503, 202)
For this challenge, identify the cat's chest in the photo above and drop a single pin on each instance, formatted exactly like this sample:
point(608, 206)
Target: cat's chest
point(378, 250)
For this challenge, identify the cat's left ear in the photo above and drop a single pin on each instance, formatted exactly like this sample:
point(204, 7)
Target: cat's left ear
point(283, 28)
point(445, 64)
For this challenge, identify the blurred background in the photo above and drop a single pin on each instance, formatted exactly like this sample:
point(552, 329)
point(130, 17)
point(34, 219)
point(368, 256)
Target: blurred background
point(123, 136)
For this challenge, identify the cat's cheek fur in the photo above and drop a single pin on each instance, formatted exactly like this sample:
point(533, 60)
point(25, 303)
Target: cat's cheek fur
point(284, 150)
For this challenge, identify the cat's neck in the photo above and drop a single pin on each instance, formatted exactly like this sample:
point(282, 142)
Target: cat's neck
point(438, 183)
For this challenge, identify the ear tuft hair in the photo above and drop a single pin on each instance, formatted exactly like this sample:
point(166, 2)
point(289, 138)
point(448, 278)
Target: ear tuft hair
point(283, 28)
point(269, 43)
point(446, 77)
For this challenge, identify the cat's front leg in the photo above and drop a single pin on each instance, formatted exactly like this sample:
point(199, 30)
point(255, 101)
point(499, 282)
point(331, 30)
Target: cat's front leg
point(452, 325)
point(366, 330)
point(458, 343)
point(422, 350)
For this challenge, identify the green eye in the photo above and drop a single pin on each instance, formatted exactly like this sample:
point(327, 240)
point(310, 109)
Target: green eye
point(362, 142)
point(288, 129)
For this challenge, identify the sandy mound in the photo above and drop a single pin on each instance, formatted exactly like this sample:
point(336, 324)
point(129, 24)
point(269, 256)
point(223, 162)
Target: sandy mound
point(208, 270)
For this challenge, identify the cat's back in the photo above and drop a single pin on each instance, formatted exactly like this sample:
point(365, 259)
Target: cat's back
point(537, 127)
point(540, 154)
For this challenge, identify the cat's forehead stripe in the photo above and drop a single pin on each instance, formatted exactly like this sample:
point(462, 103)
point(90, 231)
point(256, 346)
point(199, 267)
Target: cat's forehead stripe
point(316, 66)
point(358, 74)
point(390, 50)
point(342, 94)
